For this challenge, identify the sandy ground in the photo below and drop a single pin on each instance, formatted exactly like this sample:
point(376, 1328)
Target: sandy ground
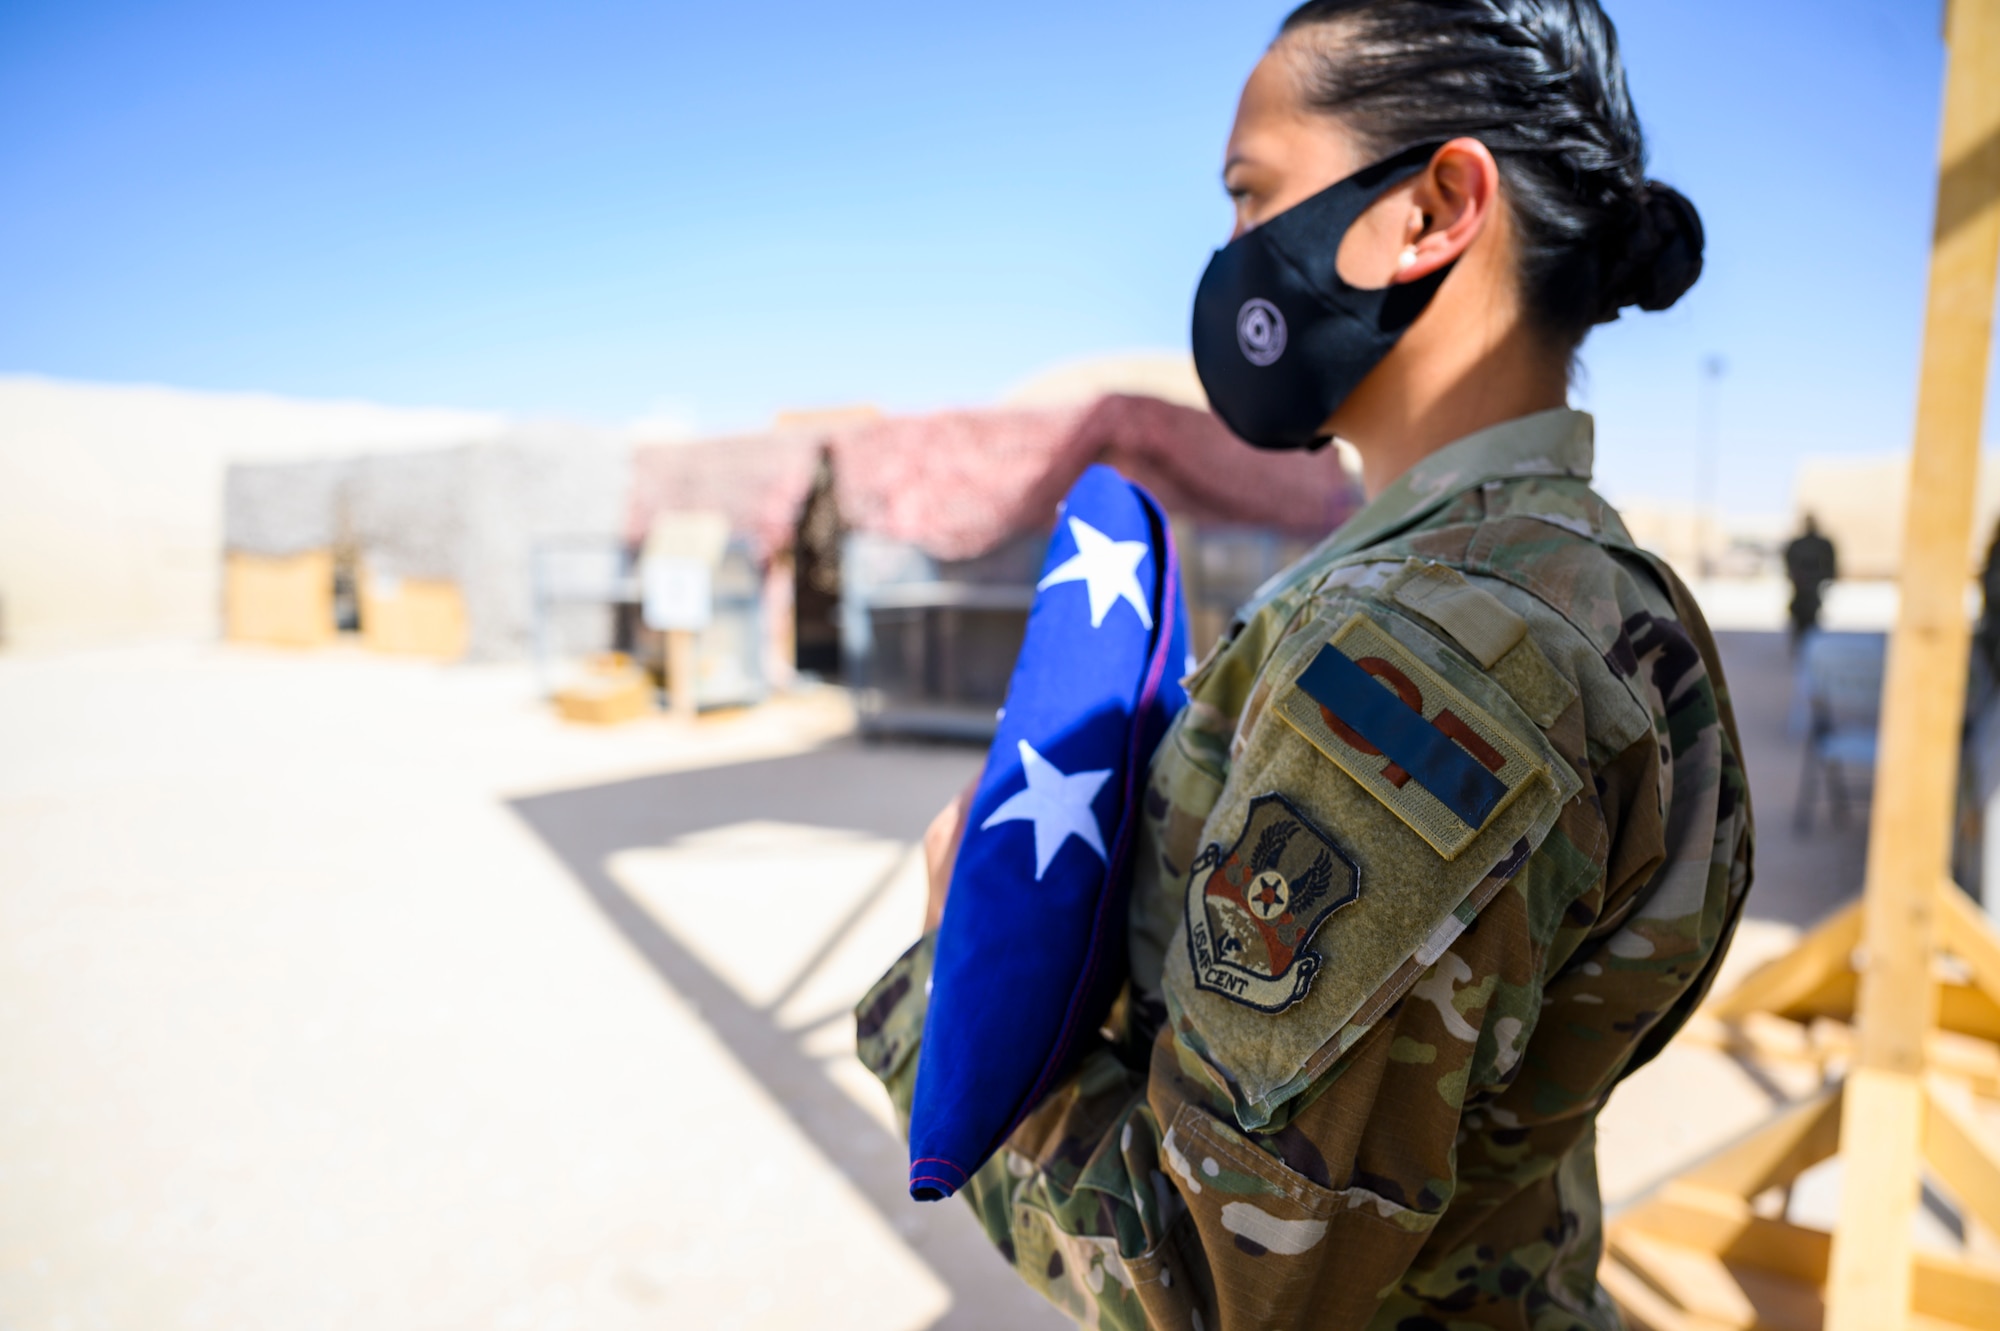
point(338, 992)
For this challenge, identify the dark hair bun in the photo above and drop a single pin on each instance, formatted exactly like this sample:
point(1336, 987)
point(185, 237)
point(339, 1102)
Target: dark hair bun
point(1661, 255)
point(1540, 83)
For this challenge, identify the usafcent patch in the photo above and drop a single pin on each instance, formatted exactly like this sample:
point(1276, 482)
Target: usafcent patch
point(1253, 909)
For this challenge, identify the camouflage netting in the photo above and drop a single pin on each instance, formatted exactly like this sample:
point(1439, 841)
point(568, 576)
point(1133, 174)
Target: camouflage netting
point(409, 513)
point(284, 508)
point(961, 485)
point(533, 485)
point(471, 515)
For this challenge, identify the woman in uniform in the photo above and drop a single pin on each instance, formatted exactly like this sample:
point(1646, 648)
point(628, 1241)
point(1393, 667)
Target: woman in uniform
point(1453, 831)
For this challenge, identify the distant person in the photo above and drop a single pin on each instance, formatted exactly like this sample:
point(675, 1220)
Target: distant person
point(1810, 564)
point(1454, 830)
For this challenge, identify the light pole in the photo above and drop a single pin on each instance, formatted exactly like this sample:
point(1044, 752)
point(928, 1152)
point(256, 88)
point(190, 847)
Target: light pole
point(1707, 456)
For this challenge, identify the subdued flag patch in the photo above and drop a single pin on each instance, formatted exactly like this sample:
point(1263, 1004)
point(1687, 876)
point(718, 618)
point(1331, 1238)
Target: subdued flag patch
point(1399, 728)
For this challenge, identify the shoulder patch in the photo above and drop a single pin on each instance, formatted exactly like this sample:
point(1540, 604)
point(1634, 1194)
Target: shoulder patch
point(1407, 736)
point(1479, 621)
point(1253, 909)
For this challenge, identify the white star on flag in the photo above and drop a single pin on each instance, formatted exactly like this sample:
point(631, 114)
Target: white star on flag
point(1109, 567)
point(1057, 804)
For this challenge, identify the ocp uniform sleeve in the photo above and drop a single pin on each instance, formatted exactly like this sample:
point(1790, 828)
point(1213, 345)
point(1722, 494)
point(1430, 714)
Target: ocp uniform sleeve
point(1286, 1146)
point(1314, 1146)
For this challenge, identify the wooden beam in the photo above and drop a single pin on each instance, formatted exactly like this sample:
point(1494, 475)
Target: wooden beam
point(1771, 1040)
point(1783, 982)
point(1961, 1009)
point(1762, 1037)
point(1952, 1290)
point(1817, 979)
point(1726, 1226)
point(1870, 1285)
point(1966, 933)
point(683, 674)
point(1708, 1292)
point(1963, 1154)
point(1835, 999)
point(1924, 690)
point(1955, 1292)
point(1965, 1010)
point(1776, 1151)
point(1644, 1306)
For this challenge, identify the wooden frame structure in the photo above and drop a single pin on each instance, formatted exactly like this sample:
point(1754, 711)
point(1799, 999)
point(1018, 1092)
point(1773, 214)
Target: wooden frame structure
point(1903, 989)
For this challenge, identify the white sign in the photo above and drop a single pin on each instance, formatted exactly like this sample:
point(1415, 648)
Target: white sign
point(677, 593)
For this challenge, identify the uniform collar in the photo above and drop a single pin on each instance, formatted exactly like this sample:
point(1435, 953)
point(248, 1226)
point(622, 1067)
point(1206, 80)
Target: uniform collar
point(1549, 443)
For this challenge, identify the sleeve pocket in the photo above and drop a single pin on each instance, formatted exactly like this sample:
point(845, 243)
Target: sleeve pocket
point(1282, 1250)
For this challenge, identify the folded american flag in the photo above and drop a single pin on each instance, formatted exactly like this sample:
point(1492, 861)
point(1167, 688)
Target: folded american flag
point(1032, 948)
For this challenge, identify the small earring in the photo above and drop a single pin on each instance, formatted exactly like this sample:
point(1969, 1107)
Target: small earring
point(1406, 259)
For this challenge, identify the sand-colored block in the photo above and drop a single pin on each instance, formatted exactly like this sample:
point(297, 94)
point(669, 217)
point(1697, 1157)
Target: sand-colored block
point(282, 601)
point(612, 691)
point(413, 616)
point(606, 702)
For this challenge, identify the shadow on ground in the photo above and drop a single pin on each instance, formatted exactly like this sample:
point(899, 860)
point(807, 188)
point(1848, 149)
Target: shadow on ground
point(884, 791)
point(892, 791)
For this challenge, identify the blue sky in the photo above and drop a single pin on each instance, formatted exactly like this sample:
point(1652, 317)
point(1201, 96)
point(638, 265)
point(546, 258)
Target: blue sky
point(617, 210)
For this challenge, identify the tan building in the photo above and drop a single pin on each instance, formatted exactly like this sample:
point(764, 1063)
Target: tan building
point(1858, 503)
point(111, 497)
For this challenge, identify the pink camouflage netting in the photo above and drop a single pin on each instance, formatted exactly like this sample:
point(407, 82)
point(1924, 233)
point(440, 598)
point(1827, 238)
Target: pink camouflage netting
point(759, 482)
point(960, 483)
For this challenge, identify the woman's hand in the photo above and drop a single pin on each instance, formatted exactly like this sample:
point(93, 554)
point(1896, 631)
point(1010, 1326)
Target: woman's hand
point(941, 840)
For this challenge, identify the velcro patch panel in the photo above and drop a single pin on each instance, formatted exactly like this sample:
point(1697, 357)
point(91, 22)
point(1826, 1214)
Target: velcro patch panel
point(1479, 621)
point(1437, 759)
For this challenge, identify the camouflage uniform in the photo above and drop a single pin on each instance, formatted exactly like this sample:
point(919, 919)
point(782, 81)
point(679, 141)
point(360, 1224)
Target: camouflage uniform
point(1356, 1075)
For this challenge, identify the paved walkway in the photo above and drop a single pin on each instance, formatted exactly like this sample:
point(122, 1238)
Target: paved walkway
point(314, 1013)
point(1801, 876)
point(337, 992)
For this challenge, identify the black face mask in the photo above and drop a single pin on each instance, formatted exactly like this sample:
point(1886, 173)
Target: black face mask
point(1280, 339)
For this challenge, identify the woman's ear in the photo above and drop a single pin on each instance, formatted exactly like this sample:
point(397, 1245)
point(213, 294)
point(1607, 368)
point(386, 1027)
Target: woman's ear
point(1449, 206)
